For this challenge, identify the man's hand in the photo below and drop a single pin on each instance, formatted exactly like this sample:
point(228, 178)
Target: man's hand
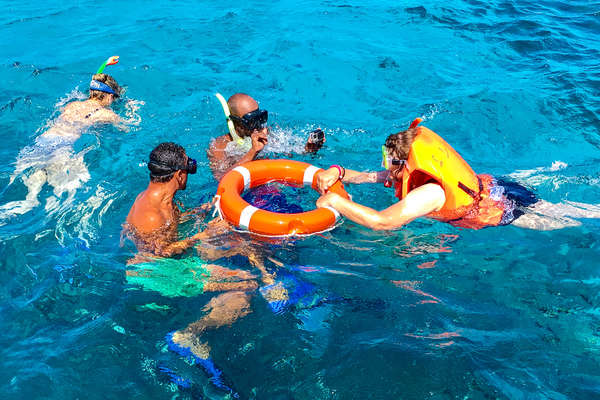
point(217, 227)
point(328, 200)
point(326, 179)
point(259, 139)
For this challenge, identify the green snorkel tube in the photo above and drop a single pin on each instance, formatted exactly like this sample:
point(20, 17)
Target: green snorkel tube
point(112, 60)
point(232, 132)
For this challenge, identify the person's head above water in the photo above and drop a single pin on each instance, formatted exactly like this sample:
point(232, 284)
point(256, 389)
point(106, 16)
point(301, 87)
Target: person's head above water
point(169, 162)
point(398, 144)
point(104, 88)
point(247, 117)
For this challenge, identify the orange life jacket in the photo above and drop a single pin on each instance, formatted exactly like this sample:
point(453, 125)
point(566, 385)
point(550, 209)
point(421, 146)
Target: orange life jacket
point(467, 204)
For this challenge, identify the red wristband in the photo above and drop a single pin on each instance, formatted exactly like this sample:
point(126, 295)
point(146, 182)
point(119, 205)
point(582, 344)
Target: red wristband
point(341, 170)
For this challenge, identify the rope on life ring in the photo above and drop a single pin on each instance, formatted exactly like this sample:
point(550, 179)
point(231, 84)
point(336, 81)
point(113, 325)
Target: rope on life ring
point(238, 212)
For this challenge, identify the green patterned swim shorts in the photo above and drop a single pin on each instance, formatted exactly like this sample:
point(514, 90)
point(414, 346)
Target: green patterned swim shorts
point(170, 277)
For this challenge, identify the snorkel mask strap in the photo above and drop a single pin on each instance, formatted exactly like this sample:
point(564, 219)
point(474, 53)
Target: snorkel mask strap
point(102, 87)
point(227, 112)
point(112, 60)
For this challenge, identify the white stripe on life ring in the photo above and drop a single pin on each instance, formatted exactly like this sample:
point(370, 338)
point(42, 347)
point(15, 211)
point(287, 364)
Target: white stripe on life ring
point(334, 211)
point(245, 216)
point(309, 174)
point(245, 174)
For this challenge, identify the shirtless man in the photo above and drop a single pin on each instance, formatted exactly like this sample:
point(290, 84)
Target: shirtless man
point(152, 224)
point(52, 160)
point(246, 120)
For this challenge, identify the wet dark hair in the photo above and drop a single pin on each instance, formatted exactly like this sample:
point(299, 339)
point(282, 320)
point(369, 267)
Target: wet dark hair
point(399, 143)
point(165, 160)
point(110, 81)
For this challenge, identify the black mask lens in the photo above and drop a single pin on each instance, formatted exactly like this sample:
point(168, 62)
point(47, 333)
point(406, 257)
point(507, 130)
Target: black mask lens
point(192, 166)
point(255, 120)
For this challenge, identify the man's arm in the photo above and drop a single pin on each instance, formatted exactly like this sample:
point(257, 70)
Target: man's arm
point(418, 203)
point(179, 246)
point(214, 228)
point(220, 163)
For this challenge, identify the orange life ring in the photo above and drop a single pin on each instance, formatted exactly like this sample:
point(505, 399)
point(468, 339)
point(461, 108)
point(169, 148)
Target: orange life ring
point(245, 216)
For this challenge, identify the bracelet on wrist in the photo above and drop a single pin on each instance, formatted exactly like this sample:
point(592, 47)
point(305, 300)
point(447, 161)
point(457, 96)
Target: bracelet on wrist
point(341, 171)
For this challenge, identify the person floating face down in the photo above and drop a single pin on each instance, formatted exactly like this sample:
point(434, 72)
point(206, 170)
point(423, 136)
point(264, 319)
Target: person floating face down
point(246, 120)
point(104, 90)
point(52, 159)
point(152, 224)
point(432, 180)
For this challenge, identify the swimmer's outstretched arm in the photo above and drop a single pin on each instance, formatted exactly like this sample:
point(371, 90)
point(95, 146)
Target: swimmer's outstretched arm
point(328, 177)
point(417, 203)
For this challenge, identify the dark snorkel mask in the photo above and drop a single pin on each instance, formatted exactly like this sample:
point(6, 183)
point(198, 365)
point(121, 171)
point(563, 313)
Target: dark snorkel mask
point(252, 121)
point(158, 169)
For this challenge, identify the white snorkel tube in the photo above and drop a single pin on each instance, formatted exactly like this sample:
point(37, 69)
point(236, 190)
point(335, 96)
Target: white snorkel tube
point(232, 132)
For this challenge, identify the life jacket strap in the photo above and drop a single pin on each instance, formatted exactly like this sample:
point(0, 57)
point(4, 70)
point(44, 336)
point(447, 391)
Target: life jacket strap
point(471, 192)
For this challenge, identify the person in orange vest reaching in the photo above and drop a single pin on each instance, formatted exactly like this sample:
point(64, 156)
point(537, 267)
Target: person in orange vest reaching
point(432, 180)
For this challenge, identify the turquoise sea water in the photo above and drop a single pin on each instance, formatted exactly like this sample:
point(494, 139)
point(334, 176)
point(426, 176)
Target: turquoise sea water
point(426, 312)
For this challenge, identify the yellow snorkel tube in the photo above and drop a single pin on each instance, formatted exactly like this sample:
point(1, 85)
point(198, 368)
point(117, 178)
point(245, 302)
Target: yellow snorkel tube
point(384, 163)
point(227, 112)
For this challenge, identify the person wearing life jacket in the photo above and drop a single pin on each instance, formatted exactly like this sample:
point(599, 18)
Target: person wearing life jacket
point(432, 180)
point(247, 136)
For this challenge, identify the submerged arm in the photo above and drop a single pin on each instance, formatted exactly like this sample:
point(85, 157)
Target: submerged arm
point(179, 246)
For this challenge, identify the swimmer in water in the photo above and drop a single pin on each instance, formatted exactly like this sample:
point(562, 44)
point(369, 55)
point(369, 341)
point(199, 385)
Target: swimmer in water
point(432, 180)
point(52, 159)
point(246, 120)
point(153, 223)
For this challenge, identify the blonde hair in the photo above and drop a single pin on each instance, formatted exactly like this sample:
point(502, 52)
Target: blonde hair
point(108, 80)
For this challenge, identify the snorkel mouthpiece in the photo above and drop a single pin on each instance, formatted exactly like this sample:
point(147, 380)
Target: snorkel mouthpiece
point(112, 60)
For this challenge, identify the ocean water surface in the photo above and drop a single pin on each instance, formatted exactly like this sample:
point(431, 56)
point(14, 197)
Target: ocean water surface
point(425, 312)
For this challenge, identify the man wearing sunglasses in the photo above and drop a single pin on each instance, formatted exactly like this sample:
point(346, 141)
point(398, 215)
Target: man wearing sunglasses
point(246, 120)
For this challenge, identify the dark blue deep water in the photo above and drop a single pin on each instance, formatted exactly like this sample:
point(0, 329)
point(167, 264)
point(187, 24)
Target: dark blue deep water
point(426, 312)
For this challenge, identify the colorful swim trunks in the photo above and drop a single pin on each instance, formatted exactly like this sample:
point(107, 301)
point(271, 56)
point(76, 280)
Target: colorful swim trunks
point(169, 276)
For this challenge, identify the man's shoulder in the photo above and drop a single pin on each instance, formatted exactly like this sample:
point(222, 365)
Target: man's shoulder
point(218, 144)
point(145, 219)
